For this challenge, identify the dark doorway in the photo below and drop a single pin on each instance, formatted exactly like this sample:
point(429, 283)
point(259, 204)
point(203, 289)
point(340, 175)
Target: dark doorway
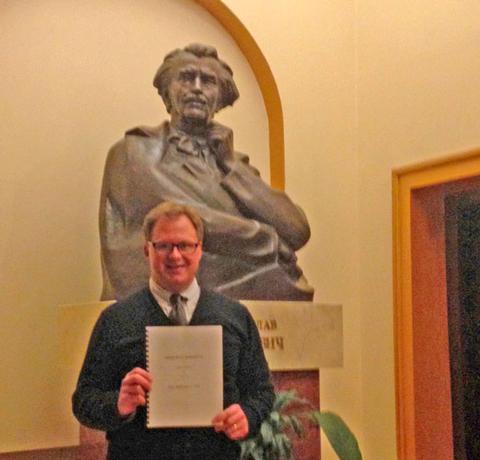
point(463, 286)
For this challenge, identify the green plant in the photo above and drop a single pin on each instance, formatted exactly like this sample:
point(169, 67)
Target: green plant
point(289, 416)
point(341, 439)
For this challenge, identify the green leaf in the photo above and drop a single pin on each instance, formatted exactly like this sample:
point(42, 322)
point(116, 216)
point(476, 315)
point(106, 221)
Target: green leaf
point(283, 399)
point(339, 435)
point(297, 426)
point(285, 447)
point(247, 447)
point(266, 433)
point(274, 419)
point(258, 454)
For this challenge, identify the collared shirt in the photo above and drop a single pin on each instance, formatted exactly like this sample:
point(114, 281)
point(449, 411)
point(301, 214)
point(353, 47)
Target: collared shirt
point(162, 296)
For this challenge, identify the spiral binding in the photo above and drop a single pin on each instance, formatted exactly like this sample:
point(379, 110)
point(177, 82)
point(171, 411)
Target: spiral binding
point(147, 335)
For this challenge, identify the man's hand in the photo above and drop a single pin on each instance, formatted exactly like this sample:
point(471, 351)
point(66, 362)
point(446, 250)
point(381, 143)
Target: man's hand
point(220, 140)
point(133, 390)
point(232, 421)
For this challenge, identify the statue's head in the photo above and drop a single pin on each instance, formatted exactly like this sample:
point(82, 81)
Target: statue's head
point(196, 69)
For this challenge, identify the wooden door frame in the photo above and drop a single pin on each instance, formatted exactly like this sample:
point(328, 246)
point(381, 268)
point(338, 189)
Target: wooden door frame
point(404, 183)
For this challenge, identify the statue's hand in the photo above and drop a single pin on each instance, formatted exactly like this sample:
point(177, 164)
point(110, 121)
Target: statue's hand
point(288, 260)
point(220, 140)
point(285, 254)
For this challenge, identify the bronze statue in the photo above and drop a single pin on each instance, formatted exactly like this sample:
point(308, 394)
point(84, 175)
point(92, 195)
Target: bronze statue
point(251, 230)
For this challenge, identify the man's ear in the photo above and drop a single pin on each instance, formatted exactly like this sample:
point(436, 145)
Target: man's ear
point(145, 249)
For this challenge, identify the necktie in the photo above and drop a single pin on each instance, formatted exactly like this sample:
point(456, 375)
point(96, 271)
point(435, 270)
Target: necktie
point(177, 315)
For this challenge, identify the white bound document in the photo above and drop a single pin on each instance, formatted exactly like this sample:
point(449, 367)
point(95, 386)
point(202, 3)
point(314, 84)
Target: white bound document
point(186, 363)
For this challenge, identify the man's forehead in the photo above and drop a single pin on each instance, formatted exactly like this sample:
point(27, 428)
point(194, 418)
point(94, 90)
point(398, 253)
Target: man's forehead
point(204, 65)
point(181, 222)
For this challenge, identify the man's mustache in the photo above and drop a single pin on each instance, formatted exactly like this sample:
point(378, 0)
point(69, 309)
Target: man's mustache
point(195, 98)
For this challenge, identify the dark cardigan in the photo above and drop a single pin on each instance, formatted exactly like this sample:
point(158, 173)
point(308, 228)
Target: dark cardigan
point(117, 345)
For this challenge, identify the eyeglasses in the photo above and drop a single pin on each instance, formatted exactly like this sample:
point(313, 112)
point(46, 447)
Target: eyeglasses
point(184, 247)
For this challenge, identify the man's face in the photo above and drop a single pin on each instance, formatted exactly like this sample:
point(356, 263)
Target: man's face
point(194, 92)
point(173, 270)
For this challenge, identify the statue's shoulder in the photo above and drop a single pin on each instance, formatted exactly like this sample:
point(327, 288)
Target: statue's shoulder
point(136, 143)
point(159, 131)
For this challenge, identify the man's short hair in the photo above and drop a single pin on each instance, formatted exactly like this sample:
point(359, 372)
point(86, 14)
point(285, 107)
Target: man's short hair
point(172, 210)
point(228, 90)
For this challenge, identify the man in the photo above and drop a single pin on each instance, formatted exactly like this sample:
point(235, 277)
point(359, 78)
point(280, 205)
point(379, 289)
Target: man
point(251, 230)
point(113, 384)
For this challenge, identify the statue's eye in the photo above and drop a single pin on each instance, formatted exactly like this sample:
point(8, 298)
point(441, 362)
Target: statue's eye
point(209, 79)
point(187, 76)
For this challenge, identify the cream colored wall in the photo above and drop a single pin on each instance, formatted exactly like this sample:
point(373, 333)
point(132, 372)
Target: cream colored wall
point(418, 99)
point(365, 88)
point(74, 76)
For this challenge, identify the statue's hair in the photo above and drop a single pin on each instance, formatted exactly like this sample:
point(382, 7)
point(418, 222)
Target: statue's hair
point(228, 90)
point(172, 210)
